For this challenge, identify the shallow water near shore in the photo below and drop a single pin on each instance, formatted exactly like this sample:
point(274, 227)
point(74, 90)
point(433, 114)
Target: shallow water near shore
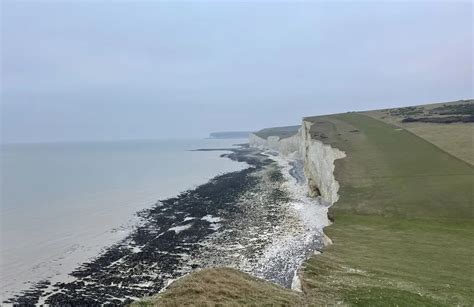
point(63, 203)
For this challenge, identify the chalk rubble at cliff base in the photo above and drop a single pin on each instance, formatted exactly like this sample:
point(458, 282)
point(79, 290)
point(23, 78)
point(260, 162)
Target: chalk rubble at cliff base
point(317, 162)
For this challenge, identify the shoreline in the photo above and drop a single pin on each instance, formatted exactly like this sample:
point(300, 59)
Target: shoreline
point(255, 220)
point(23, 288)
point(91, 204)
point(312, 210)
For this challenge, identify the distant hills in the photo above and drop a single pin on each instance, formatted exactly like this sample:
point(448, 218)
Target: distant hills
point(230, 135)
point(282, 132)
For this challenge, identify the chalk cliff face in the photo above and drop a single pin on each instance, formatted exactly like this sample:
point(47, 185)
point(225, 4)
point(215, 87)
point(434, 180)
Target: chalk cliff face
point(289, 146)
point(318, 159)
point(319, 165)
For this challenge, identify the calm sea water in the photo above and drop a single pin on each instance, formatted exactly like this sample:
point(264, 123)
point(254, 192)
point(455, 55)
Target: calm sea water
point(62, 203)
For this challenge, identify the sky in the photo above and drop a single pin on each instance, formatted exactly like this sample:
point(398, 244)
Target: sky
point(108, 70)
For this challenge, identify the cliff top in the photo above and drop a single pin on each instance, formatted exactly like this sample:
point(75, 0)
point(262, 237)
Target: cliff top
point(447, 125)
point(400, 194)
point(282, 132)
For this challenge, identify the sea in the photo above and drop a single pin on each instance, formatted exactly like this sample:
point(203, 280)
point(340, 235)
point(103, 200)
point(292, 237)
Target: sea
point(64, 203)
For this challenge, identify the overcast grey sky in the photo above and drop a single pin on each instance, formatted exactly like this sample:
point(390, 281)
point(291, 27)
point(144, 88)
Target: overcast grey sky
point(94, 70)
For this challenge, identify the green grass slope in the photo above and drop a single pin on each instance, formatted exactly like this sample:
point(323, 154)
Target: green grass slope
point(403, 227)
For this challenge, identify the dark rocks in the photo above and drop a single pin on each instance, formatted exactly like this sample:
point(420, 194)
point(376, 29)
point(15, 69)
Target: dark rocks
point(160, 248)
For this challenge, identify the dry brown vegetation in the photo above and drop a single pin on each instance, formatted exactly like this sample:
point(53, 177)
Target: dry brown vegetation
point(222, 287)
point(456, 138)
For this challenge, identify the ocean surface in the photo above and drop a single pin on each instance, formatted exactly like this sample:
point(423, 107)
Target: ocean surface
point(62, 203)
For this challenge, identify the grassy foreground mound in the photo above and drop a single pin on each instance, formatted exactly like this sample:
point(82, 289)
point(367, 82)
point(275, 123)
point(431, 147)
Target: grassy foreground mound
point(222, 286)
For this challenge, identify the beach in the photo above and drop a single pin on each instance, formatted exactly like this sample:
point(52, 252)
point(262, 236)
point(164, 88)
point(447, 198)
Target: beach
point(83, 197)
point(258, 220)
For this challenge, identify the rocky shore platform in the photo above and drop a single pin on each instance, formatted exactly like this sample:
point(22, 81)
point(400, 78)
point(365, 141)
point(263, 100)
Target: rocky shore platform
point(248, 219)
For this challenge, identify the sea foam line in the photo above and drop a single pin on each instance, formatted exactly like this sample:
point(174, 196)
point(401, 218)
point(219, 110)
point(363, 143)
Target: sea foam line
point(312, 213)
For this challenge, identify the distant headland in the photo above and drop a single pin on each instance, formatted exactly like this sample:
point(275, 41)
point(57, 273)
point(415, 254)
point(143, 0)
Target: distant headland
point(230, 135)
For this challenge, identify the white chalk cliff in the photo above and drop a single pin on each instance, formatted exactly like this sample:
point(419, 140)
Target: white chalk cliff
point(318, 159)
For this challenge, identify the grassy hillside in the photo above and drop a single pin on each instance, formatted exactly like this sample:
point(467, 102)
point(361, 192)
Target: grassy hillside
point(403, 231)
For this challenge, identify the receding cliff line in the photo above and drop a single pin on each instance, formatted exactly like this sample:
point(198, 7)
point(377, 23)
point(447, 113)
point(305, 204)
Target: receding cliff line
point(318, 159)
